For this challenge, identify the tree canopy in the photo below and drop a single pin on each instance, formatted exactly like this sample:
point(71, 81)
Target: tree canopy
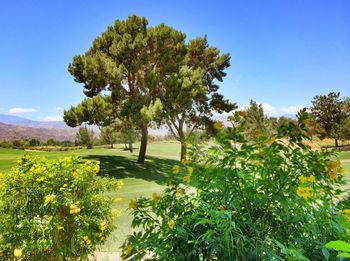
point(332, 114)
point(150, 75)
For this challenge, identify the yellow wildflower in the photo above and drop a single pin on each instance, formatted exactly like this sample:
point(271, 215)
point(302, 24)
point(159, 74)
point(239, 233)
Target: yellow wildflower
point(312, 179)
point(189, 170)
point(133, 204)
point(103, 226)
point(74, 174)
point(303, 179)
point(186, 178)
point(346, 213)
point(176, 169)
point(128, 249)
point(87, 240)
point(120, 184)
point(184, 161)
point(155, 197)
point(117, 200)
point(88, 168)
point(50, 198)
point(171, 224)
point(199, 190)
point(218, 125)
point(180, 192)
point(74, 209)
point(97, 168)
point(17, 252)
point(304, 192)
point(333, 168)
point(49, 218)
point(59, 227)
point(40, 179)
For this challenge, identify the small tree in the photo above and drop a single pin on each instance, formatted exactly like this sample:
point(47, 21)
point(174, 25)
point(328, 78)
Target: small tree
point(109, 135)
point(85, 137)
point(332, 113)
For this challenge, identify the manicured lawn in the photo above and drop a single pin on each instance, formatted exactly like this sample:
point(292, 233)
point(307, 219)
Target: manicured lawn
point(139, 180)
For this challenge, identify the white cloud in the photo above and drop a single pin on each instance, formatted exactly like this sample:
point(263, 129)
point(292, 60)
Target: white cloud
point(59, 108)
point(53, 118)
point(292, 109)
point(269, 109)
point(21, 110)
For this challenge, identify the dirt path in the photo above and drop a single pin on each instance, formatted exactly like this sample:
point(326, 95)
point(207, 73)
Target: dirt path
point(107, 256)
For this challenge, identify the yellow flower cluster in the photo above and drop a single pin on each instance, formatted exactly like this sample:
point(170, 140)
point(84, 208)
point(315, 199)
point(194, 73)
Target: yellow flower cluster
point(155, 197)
point(128, 249)
point(218, 125)
point(50, 198)
point(333, 168)
point(304, 179)
point(171, 224)
point(117, 200)
point(17, 252)
point(74, 209)
point(187, 178)
point(120, 184)
point(87, 240)
point(133, 204)
point(184, 161)
point(176, 169)
point(103, 226)
point(304, 192)
point(346, 214)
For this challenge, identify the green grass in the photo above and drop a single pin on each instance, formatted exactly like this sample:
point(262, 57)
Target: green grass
point(139, 180)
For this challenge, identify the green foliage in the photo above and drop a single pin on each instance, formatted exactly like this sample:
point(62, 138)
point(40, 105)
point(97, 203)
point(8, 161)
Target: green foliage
point(271, 198)
point(96, 110)
point(85, 137)
point(340, 246)
point(190, 95)
point(333, 115)
point(130, 60)
point(54, 210)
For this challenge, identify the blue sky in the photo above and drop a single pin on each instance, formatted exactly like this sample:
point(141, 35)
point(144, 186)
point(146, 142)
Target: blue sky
point(283, 52)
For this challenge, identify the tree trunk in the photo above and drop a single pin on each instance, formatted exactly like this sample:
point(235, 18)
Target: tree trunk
point(143, 146)
point(111, 145)
point(336, 142)
point(131, 149)
point(183, 150)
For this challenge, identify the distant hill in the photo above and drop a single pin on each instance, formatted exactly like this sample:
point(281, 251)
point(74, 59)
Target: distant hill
point(15, 120)
point(15, 128)
point(17, 132)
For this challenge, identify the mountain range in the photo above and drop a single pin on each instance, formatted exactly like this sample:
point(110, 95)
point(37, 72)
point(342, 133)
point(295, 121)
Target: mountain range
point(14, 128)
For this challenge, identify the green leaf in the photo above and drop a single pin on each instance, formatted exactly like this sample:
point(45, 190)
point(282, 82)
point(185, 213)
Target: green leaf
point(344, 255)
point(325, 253)
point(338, 245)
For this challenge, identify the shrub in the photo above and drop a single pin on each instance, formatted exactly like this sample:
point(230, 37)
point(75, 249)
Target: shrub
point(54, 209)
point(272, 198)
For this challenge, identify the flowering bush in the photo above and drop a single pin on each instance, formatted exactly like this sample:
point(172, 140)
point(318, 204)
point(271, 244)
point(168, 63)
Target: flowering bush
point(54, 209)
point(272, 198)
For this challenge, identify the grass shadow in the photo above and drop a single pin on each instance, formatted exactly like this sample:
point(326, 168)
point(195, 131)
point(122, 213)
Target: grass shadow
point(154, 169)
